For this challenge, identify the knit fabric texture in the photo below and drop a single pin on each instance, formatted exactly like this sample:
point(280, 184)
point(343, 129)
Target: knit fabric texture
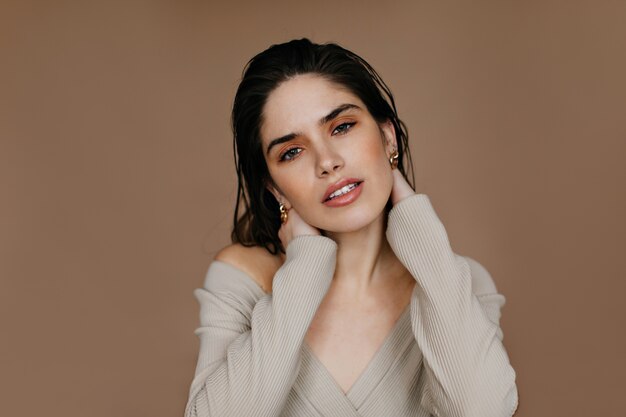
point(444, 357)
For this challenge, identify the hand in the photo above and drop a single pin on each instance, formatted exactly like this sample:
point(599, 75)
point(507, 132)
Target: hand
point(401, 188)
point(294, 227)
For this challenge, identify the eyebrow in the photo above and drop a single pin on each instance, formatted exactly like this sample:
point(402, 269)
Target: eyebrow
point(330, 116)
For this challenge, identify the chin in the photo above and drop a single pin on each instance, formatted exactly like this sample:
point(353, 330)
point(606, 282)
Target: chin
point(352, 220)
point(368, 208)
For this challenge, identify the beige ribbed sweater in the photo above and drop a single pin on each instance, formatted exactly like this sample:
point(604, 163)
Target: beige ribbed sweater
point(444, 357)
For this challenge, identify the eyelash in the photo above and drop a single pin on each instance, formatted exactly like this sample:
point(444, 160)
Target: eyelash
point(282, 156)
point(348, 126)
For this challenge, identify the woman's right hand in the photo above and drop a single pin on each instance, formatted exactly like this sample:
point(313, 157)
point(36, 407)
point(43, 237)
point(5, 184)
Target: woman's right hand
point(295, 226)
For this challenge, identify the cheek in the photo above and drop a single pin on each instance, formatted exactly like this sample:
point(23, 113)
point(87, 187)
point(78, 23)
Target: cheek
point(370, 154)
point(293, 187)
point(377, 163)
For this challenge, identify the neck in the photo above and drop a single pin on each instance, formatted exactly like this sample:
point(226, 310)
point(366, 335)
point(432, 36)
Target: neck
point(366, 264)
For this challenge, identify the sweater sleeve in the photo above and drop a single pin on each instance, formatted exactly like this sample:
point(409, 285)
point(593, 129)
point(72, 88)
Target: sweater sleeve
point(250, 341)
point(466, 368)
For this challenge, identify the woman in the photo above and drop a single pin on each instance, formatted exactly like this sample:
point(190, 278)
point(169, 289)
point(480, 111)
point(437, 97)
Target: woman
point(341, 295)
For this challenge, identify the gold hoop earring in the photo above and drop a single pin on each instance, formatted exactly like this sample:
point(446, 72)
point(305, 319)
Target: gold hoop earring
point(284, 213)
point(393, 159)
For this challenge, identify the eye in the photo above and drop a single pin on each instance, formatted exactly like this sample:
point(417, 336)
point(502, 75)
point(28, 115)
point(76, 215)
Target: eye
point(343, 128)
point(289, 154)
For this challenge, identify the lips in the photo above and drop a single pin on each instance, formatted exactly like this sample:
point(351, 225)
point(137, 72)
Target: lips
point(338, 185)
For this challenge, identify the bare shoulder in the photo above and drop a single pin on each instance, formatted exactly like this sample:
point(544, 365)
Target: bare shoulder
point(255, 261)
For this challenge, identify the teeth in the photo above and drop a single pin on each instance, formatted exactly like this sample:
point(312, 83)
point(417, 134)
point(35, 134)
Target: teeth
point(343, 190)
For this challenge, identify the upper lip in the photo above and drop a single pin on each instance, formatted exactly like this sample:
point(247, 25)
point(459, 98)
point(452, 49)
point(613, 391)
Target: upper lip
point(339, 184)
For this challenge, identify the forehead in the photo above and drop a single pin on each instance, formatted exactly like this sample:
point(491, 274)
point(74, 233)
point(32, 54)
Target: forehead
point(300, 102)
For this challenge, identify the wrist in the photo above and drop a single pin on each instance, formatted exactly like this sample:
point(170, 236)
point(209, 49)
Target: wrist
point(401, 188)
point(399, 195)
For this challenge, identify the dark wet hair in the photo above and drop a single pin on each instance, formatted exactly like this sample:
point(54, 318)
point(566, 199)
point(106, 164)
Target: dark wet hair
point(259, 221)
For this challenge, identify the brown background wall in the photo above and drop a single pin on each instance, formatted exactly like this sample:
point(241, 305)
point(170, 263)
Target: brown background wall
point(117, 183)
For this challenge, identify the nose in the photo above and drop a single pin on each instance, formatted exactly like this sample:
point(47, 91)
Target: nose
point(328, 161)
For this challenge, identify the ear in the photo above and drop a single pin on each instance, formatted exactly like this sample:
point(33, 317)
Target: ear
point(273, 188)
point(389, 136)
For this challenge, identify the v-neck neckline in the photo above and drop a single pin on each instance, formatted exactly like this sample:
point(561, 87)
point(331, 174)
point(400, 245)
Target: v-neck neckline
point(378, 364)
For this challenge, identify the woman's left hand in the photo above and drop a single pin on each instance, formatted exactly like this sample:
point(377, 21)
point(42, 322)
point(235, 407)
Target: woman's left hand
point(401, 188)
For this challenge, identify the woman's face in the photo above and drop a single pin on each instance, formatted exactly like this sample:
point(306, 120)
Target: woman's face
point(317, 135)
